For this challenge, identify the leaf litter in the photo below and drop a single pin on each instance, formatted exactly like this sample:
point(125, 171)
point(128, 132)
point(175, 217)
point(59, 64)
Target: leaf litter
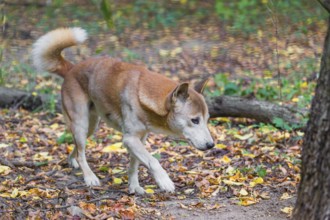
point(245, 170)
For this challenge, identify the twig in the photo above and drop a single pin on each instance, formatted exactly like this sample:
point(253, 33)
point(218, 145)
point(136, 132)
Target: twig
point(5, 162)
point(14, 163)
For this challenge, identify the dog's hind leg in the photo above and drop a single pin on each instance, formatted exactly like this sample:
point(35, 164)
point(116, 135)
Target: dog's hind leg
point(77, 110)
point(133, 173)
point(92, 124)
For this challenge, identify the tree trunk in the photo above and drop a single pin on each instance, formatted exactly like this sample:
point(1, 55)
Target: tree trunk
point(313, 202)
point(221, 106)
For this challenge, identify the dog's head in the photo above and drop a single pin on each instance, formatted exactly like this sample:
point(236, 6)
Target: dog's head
point(188, 115)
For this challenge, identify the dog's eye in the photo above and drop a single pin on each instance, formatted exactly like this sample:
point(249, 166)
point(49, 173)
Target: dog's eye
point(195, 120)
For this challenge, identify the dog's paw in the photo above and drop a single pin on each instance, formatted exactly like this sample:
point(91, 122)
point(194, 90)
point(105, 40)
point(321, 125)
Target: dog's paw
point(73, 162)
point(136, 190)
point(165, 183)
point(92, 180)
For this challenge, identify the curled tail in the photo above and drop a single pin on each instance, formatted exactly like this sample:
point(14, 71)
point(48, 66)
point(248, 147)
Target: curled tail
point(47, 49)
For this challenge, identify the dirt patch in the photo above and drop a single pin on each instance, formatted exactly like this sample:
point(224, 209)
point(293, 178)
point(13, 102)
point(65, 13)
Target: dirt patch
point(266, 209)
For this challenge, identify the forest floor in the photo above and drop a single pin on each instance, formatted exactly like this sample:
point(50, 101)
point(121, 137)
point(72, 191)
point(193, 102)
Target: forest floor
point(252, 173)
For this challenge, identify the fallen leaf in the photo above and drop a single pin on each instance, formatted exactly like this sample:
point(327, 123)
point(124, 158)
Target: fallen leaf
point(243, 192)
point(14, 193)
point(150, 191)
point(117, 148)
point(117, 181)
point(285, 196)
point(256, 181)
point(226, 159)
point(243, 137)
point(287, 210)
point(4, 170)
point(229, 182)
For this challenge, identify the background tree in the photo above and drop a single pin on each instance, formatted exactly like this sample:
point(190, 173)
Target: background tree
point(313, 200)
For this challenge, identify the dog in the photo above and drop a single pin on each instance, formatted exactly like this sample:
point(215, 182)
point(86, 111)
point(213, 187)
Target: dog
point(130, 98)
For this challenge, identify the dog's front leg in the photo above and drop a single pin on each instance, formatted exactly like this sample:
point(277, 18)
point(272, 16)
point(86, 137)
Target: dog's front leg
point(137, 149)
point(133, 176)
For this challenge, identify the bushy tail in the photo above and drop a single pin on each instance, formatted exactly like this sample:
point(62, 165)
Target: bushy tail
point(47, 49)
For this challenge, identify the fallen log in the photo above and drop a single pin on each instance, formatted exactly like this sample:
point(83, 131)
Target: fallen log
point(262, 111)
point(220, 106)
point(14, 99)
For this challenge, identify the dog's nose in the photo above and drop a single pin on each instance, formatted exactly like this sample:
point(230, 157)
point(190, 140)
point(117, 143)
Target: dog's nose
point(210, 145)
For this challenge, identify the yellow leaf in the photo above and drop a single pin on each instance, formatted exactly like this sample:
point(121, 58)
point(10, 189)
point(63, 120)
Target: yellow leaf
point(4, 170)
point(150, 186)
point(70, 148)
point(176, 51)
point(245, 154)
point(117, 181)
point(295, 99)
point(117, 170)
point(150, 191)
point(267, 73)
point(226, 159)
point(23, 193)
point(117, 147)
point(229, 182)
point(285, 196)
point(6, 195)
point(14, 193)
point(23, 139)
point(304, 85)
point(220, 146)
point(163, 53)
point(224, 119)
point(256, 181)
point(116, 137)
point(287, 210)
point(243, 137)
point(41, 156)
point(54, 126)
point(243, 192)
point(247, 201)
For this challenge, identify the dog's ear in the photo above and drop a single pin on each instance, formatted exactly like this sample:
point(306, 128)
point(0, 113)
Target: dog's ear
point(177, 97)
point(180, 93)
point(200, 86)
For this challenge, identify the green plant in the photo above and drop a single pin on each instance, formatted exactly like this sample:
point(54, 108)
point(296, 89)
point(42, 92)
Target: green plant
point(247, 16)
point(261, 171)
point(130, 55)
point(65, 138)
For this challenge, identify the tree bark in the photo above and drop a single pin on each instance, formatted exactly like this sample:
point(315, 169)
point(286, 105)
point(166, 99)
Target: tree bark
point(231, 106)
point(221, 106)
point(313, 201)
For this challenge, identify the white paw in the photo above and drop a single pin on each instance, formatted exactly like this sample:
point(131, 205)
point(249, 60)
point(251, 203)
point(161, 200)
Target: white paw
point(136, 190)
point(164, 182)
point(92, 180)
point(73, 162)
